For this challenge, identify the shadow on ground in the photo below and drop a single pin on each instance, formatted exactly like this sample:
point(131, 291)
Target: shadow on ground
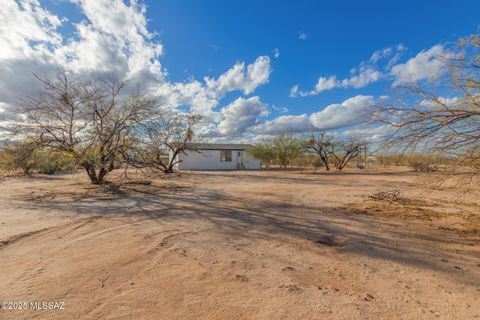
point(373, 237)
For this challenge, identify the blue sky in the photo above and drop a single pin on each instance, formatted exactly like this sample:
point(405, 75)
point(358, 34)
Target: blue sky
point(206, 37)
point(300, 44)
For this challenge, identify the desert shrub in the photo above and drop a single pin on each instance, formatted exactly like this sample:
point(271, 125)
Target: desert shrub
point(419, 162)
point(420, 166)
point(303, 161)
point(47, 161)
point(17, 156)
point(262, 151)
point(317, 163)
point(26, 157)
point(425, 162)
point(395, 159)
point(390, 195)
point(280, 150)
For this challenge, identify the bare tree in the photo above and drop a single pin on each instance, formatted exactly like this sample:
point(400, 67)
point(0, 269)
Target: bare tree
point(344, 151)
point(321, 145)
point(162, 140)
point(90, 120)
point(441, 116)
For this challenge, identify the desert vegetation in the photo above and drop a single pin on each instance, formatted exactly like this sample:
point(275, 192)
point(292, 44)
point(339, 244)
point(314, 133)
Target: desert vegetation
point(366, 234)
point(27, 158)
point(286, 151)
point(94, 125)
point(98, 126)
point(425, 121)
point(280, 150)
point(426, 131)
point(161, 140)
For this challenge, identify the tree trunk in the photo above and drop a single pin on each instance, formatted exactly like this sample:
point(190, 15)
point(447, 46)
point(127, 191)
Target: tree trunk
point(101, 175)
point(325, 162)
point(92, 173)
point(26, 170)
point(324, 157)
point(168, 170)
point(104, 170)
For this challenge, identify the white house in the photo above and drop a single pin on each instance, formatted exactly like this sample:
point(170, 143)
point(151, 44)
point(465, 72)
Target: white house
point(210, 156)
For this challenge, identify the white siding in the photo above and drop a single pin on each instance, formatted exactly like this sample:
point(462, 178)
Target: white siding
point(210, 160)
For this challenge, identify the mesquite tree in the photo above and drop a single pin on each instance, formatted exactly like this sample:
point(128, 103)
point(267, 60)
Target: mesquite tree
point(321, 144)
point(441, 116)
point(342, 151)
point(161, 140)
point(92, 121)
point(280, 150)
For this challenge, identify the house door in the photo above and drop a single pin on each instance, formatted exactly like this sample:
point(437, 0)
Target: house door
point(240, 160)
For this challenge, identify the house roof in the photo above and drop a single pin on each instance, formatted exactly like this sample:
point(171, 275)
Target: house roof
point(222, 146)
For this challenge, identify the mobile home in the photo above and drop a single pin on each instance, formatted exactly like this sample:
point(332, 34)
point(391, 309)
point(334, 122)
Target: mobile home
point(209, 156)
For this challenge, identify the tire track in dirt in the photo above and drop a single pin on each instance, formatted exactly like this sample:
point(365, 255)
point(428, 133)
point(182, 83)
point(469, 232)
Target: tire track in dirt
point(78, 223)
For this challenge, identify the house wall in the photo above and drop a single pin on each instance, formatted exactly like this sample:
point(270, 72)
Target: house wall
point(210, 160)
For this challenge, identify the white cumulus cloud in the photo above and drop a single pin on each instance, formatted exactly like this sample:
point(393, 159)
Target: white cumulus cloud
point(425, 65)
point(366, 73)
point(113, 36)
point(364, 78)
point(204, 96)
point(325, 84)
point(360, 80)
point(241, 114)
point(239, 77)
point(351, 112)
point(284, 124)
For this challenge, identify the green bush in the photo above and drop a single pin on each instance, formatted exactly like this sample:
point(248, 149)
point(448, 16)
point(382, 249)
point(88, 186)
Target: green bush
point(47, 161)
point(27, 158)
point(280, 150)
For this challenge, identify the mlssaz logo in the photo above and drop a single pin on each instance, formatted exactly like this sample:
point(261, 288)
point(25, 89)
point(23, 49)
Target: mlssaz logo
point(52, 305)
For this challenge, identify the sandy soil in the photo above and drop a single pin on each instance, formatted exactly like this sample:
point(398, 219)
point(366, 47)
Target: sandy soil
point(241, 245)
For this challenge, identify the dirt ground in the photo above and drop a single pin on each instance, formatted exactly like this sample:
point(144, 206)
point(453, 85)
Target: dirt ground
point(241, 245)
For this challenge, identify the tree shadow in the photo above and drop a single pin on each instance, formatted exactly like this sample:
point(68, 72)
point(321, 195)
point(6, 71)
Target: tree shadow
point(254, 219)
point(303, 178)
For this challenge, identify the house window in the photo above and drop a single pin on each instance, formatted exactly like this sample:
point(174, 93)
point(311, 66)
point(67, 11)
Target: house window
point(225, 156)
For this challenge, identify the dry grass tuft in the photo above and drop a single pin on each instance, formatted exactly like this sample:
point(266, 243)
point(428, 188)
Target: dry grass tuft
point(438, 215)
point(391, 196)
